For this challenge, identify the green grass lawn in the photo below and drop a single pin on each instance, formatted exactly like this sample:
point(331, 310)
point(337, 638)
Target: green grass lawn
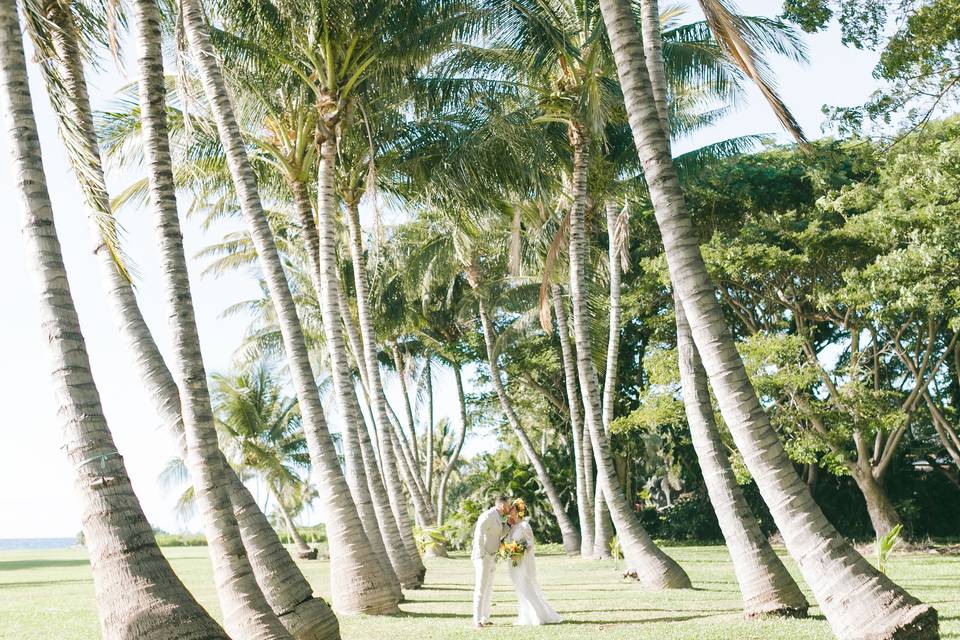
point(46, 595)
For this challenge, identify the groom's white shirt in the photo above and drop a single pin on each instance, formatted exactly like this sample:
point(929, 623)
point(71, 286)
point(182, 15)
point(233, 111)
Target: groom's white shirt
point(487, 534)
point(486, 542)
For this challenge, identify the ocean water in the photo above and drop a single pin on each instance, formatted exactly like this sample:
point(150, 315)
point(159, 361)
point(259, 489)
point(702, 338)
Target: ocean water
point(10, 544)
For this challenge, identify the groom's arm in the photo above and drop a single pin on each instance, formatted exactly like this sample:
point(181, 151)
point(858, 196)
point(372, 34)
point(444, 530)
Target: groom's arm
point(491, 532)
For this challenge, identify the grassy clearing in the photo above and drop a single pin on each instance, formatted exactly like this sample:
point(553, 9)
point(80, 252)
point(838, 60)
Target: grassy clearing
point(49, 594)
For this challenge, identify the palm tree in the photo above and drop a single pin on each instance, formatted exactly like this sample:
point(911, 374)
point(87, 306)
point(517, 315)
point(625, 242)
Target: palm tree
point(56, 35)
point(454, 455)
point(261, 427)
point(571, 538)
point(453, 158)
point(584, 108)
point(433, 317)
point(280, 140)
point(857, 600)
point(356, 440)
point(557, 47)
point(616, 229)
point(360, 581)
point(388, 454)
point(655, 568)
point(138, 595)
point(286, 589)
point(765, 584)
point(344, 50)
point(458, 248)
point(583, 458)
point(249, 614)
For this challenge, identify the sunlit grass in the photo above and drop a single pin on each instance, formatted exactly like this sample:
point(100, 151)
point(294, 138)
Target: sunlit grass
point(49, 594)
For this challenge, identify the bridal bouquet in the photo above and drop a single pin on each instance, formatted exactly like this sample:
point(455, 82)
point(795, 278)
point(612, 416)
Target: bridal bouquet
point(512, 551)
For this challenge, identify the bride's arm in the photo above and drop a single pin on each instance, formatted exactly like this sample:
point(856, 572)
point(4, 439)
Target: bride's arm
point(528, 534)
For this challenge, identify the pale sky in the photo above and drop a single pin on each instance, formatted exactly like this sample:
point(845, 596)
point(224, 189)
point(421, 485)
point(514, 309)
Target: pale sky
point(36, 498)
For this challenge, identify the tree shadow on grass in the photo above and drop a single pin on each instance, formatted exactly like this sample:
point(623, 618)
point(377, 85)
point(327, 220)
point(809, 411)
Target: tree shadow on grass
point(614, 622)
point(410, 600)
point(705, 613)
point(17, 565)
point(42, 584)
point(436, 587)
point(417, 614)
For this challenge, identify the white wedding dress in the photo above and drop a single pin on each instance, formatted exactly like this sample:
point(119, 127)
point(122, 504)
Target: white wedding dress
point(533, 608)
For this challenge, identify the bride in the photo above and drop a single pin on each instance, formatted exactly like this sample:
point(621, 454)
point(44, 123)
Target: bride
point(533, 606)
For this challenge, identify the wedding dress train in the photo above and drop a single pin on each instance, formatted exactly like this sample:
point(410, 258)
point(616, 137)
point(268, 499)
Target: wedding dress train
point(533, 608)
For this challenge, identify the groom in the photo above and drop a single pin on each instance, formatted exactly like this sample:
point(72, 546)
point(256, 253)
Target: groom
point(490, 531)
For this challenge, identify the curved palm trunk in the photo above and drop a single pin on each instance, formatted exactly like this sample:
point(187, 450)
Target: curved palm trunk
point(411, 479)
point(408, 470)
point(613, 340)
point(428, 463)
point(452, 463)
point(604, 532)
point(353, 337)
point(569, 534)
point(399, 365)
point(287, 591)
point(137, 593)
point(381, 422)
point(304, 552)
point(653, 567)
point(356, 440)
point(766, 585)
point(858, 601)
point(247, 614)
point(584, 499)
point(359, 583)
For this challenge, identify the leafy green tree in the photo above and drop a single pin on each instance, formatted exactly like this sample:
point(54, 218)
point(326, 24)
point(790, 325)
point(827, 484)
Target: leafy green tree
point(918, 62)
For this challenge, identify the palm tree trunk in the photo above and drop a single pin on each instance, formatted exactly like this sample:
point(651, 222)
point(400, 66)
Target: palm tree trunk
point(306, 617)
point(399, 364)
point(359, 584)
point(381, 422)
point(765, 584)
point(575, 407)
point(137, 593)
point(248, 614)
point(653, 567)
point(367, 482)
point(652, 36)
point(613, 339)
point(428, 463)
point(304, 551)
point(604, 531)
point(287, 591)
point(353, 337)
point(408, 470)
point(569, 534)
point(461, 438)
point(857, 600)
